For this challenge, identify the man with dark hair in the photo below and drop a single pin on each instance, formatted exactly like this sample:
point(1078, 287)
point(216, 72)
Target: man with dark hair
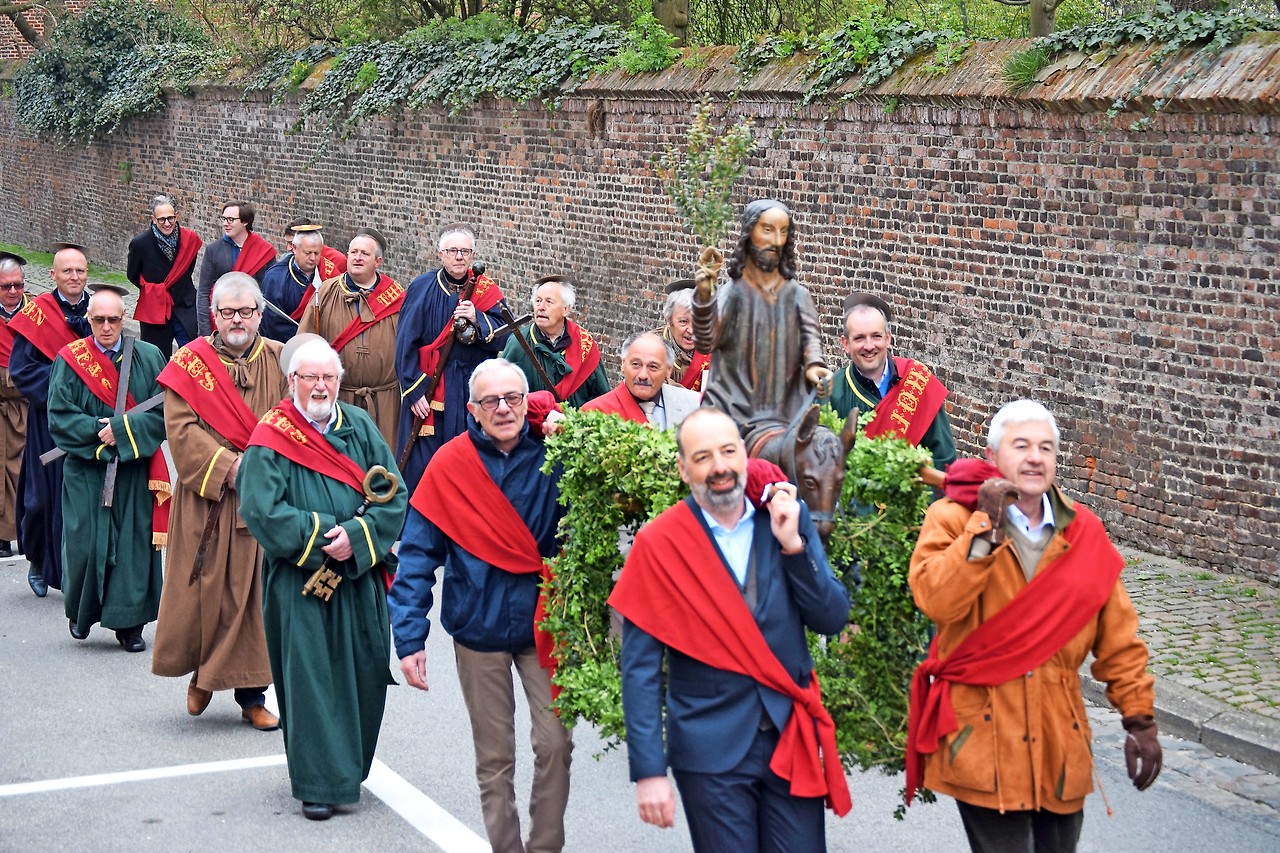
point(567, 352)
point(112, 568)
point(487, 513)
point(358, 313)
point(761, 328)
point(723, 593)
point(434, 312)
point(42, 328)
point(239, 250)
point(160, 263)
point(210, 624)
point(1023, 585)
point(13, 406)
point(908, 399)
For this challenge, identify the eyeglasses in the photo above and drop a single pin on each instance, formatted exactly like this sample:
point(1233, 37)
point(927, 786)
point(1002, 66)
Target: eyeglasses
point(327, 378)
point(458, 253)
point(490, 404)
point(229, 219)
point(246, 312)
point(106, 321)
point(165, 220)
point(16, 286)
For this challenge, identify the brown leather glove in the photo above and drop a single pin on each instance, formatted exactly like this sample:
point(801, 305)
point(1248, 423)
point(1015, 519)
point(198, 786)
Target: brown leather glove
point(993, 496)
point(1142, 745)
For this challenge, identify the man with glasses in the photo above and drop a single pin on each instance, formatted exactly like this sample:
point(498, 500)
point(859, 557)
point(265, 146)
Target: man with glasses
point(486, 512)
point(160, 263)
point(434, 313)
point(358, 313)
point(112, 571)
point(45, 325)
point(210, 624)
point(301, 488)
point(239, 250)
point(13, 406)
point(291, 282)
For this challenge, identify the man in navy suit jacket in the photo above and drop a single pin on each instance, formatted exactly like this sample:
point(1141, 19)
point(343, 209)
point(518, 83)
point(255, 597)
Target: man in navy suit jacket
point(724, 592)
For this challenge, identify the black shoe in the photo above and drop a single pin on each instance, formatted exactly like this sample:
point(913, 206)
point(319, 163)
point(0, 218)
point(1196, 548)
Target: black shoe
point(35, 577)
point(317, 811)
point(131, 639)
point(76, 633)
point(6, 548)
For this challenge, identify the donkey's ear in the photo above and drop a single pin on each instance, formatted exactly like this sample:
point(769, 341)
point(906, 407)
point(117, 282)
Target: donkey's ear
point(808, 424)
point(849, 434)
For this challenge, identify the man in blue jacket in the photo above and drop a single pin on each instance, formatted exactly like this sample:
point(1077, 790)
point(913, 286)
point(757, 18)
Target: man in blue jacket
point(486, 512)
point(724, 592)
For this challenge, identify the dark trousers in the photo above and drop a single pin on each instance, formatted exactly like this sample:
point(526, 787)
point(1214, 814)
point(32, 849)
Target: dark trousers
point(990, 831)
point(750, 809)
point(164, 335)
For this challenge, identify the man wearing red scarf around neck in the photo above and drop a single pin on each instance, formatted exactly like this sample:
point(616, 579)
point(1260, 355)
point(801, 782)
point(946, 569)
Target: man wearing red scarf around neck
point(724, 593)
point(1022, 585)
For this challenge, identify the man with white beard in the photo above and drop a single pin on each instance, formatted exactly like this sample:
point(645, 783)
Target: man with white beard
point(210, 623)
point(302, 488)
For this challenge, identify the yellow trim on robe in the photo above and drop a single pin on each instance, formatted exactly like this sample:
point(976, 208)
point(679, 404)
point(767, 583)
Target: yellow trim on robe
point(306, 552)
point(204, 484)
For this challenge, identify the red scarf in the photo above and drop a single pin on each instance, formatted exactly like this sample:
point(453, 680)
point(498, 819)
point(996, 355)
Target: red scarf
point(96, 370)
point(457, 495)
point(42, 323)
point(384, 300)
point(6, 335)
point(332, 262)
point(911, 404)
point(485, 296)
point(692, 378)
point(675, 588)
point(621, 402)
point(155, 303)
point(1057, 604)
point(198, 376)
point(965, 477)
point(255, 254)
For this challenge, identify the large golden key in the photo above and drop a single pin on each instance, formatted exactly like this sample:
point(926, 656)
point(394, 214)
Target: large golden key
point(325, 580)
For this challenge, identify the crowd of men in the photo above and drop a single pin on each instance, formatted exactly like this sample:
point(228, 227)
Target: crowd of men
point(317, 412)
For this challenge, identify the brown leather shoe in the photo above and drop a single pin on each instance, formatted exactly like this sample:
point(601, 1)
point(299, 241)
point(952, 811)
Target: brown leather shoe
point(260, 718)
point(197, 698)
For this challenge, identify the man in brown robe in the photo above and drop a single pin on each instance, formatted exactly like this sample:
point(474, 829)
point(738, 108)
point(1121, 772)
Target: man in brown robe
point(761, 328)
point(13, 406)
point(358, 313)
point(210, 621)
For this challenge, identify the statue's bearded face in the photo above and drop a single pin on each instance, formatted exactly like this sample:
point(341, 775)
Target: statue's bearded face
point(768, 236)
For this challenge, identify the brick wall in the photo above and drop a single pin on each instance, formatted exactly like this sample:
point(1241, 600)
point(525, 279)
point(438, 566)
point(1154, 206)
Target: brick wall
point(1030, 247)
point(13, 45)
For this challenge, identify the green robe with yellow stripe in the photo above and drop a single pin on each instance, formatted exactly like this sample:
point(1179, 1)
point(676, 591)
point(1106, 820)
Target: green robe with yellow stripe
point(111, 573)
point(329, 660)
point(850, 391)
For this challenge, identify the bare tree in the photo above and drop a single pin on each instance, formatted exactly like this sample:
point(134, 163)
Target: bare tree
point(47, 15)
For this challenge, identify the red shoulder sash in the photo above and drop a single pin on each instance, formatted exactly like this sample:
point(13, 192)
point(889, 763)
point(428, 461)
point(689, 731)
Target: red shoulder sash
point(6, 335)
point(155, 304)
point(385, 299)
point(619, 402)
point(286, 431)
point(692, 378)
point(1055, 606)
point(911, 405)
point(582, 356)
point(255, 254)
point(675, 588)
point(332, 262)
point(95, 370)
point(198, 376)
point(486, 295)
point(41, 322)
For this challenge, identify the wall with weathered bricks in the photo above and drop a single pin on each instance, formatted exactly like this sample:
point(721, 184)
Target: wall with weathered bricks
point(1030, 247)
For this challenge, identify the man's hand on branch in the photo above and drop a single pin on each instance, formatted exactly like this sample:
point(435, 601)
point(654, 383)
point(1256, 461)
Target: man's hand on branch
point(819, 377)
point(709, 263)
point(993, 496)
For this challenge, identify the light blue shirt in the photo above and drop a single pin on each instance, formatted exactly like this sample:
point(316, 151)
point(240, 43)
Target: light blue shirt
point(1019, 518)
point(327, 425)
point(735, 544)
point(883, 384)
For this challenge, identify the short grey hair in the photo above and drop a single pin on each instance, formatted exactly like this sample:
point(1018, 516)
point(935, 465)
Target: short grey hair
point(1020, 412)
point(9, 265)
point(567, 291)
point(316, 349)
point(456, 228)
point(490, 365)
point(678, 299)
point(236, 284)
point(299, 236)
point(863, 309)
point(666, 345)
point(160, 201)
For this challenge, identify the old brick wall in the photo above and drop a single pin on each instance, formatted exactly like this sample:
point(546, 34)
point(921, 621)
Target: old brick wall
point(1030, 248)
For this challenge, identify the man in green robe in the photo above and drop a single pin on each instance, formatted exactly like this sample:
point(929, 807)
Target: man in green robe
point(298, 486)
point(111, 572)
point(568, 354)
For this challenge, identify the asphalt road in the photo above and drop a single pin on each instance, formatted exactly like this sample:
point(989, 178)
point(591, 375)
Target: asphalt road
point(98, 754)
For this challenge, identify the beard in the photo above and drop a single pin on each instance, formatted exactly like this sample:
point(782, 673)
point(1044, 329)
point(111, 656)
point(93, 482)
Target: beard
point(237, 337)
point(766, 259)
point(317, 410)
point(719, 501)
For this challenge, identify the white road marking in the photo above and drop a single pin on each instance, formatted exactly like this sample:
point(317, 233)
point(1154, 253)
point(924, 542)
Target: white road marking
point(140, 775)
point(422, 812)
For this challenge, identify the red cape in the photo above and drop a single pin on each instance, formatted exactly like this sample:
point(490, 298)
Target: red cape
point(618, 402)
point(155, 304)
point(198, 376)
